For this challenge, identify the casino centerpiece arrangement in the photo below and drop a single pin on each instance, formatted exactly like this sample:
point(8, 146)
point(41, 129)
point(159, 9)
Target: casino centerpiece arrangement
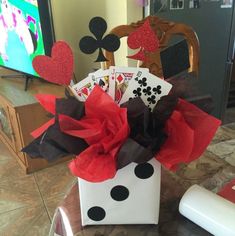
point(121, 124)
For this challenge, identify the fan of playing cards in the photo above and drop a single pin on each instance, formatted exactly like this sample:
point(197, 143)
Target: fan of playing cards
point(124, 83)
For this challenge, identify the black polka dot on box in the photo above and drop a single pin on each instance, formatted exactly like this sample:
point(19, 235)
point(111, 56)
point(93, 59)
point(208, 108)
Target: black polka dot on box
point(144, 171)
point(96, 213)
point(120, 192)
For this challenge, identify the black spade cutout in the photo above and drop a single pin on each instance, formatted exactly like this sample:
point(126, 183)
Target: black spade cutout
point(89, 45)
point(119, 193)
point(96, 213)
point(144, 171)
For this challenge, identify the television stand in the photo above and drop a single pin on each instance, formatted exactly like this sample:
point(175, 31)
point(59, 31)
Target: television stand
point(27, 79)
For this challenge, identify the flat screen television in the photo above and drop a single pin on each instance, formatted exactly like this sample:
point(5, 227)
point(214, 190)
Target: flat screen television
point(26, 30)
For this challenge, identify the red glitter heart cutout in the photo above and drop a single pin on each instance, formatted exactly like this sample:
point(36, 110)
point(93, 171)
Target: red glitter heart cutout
point(58, 68)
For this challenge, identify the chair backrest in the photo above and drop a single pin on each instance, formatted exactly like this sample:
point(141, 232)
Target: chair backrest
point(165, 31)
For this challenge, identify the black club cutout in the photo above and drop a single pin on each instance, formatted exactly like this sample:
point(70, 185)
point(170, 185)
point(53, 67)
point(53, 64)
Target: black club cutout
point(152, 99)
point(119, 193)
point(96, 213)
point(144, 170)
point(137, 92)
point(142, 82)
point(147, 91)
point(89, 45)
point(157, 90)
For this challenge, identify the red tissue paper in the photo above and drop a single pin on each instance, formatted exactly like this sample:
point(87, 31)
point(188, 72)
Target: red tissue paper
point(189, 130)
point(48, 102)
point(105, 128)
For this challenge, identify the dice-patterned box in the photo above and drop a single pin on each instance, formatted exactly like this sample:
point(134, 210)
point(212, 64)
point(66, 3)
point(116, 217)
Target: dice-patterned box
point(131, 197)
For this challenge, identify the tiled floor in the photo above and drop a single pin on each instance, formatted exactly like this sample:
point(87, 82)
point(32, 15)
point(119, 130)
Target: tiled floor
point(27, 202)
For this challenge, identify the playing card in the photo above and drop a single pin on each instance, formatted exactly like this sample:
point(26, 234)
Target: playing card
point(119, 79)
point(101, 78)
point(82, 89)
point(147, 86)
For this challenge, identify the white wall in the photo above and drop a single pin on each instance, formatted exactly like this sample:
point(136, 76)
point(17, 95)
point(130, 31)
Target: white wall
point(71, 19)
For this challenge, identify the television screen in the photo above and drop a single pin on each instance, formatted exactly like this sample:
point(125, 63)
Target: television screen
point(25, 32)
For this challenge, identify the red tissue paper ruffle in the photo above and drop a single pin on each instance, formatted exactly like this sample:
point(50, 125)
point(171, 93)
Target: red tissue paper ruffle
point(189, 130)
point(105, 128)
point(48, 102)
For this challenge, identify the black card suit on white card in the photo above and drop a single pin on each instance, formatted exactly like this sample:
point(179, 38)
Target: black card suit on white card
point(89, 45)
point(175, 59)
point(147, 86)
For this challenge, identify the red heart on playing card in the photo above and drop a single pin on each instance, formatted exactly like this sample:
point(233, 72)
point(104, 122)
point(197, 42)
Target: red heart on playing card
point(85, 91)
point(58, 68)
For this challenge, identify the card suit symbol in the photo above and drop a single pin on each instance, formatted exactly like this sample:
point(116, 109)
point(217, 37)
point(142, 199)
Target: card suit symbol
point(101, 83)
point(58, 68)
point(143, 38)
point(89, 45)
point(142, 82)
point(137, 92)
point(147, 91)
point(85, 91)
point(119, 78)
point(157, 90)
point(152, 99)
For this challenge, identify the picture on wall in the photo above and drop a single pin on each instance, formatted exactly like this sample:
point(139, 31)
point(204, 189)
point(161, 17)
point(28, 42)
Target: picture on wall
point(176, 4)
point(226, 3)
point(194, 3)
point(159, 5)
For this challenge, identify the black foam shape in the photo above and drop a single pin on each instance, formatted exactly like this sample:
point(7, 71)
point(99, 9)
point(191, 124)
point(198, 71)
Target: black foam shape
point(175, 59)
point(98, 27)
point(89, 45)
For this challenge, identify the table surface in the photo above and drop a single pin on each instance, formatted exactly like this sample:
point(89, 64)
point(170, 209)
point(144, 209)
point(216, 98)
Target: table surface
point(214, 169)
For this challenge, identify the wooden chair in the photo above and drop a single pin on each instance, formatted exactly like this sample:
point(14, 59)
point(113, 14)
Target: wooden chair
point(165, 30)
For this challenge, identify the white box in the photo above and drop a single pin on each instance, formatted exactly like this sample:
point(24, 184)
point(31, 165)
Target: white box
point(131, 197)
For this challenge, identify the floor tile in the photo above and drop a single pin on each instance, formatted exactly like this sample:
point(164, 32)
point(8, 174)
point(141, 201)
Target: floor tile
point(10, 169)
point(28, 221)
point(224, 150)
point(4, 152)
point(221, 178)
point(223, 134)
point(19, 193)
point(200, 169)
point(54, 180)
point(52, 203)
